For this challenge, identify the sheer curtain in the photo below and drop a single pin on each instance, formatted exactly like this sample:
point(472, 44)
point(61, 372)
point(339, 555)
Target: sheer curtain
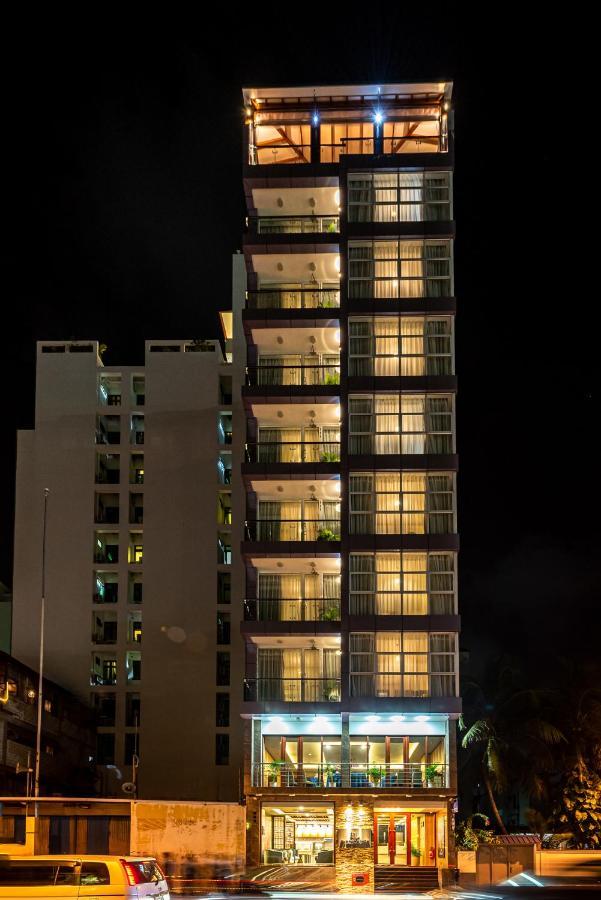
point(360, 198)
point(439, 424)
point(292, 674)
point(415, 587)
point(386, 346)
point(278, 587)
point(411, 196)
point(438, 346)
point(413, 424)
point(313, 687)
point(386, 410)
point(442, 591)
point(361, 504)
point(361, 426)
point(279, 370)
point(440, 504)
point(414, 503)
point(388, 502)
point(385, 197)
point(270, 670)
point(331, 673)
point(279, 445)
point(412, 346)
point(386, 269)
point(388, 584)
point(412, 269)
point(388, 679)
point(362, 664)
point(362, 584)
point(415, 664)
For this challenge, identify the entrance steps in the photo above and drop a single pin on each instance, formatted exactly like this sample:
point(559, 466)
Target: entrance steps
point(395, 879)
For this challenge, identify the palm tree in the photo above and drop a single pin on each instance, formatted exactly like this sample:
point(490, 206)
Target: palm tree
point(511, 737)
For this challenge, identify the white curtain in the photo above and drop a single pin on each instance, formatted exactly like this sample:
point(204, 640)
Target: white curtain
point(388, 661)
point(415, 664)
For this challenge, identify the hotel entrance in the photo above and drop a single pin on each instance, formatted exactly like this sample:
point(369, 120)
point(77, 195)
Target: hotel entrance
point(405, 838)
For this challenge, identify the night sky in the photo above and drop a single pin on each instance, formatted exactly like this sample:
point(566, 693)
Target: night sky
point(123, 205)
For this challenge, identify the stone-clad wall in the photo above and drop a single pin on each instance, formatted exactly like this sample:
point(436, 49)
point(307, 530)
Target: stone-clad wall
point(356, 816)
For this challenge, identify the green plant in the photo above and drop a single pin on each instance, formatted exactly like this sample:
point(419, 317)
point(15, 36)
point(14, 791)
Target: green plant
point(273, 770)
point(332, 227)
point(325, 534)
point(375, 773)
point(330, 456)
point(332, 378)
point(432, 770)
point(331, 614)
point(415, 851)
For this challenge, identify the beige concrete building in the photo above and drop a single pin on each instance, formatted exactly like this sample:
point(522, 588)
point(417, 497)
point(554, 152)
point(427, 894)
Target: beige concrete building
point(138, 463)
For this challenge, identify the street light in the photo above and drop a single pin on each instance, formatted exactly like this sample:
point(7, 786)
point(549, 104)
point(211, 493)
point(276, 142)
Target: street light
point(38, 743)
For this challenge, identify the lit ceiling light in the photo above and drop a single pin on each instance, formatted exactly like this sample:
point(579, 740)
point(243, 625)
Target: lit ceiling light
point(337, 335)
point(378, 117)
point(337, 264)
point(337, 198)
point(397, 718)
point(373, 718)
point(316, 118)
point(422, 718)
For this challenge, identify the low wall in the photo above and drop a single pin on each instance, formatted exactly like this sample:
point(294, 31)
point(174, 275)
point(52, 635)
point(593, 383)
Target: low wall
point(192, 841)
point(577, 865)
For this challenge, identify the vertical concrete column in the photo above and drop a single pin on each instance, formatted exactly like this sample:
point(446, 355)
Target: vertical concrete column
point(345, 750)
point(256, 753)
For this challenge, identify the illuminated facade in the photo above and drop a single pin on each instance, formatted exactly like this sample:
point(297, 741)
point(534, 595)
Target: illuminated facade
point(343, 310)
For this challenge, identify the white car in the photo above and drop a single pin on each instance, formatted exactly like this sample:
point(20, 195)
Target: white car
point(94, 877)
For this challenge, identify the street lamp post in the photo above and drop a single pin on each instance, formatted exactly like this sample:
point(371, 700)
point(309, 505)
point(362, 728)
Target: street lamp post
point(38, 743)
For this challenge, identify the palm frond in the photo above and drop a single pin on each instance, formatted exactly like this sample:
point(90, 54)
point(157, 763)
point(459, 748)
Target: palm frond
point(479, 731)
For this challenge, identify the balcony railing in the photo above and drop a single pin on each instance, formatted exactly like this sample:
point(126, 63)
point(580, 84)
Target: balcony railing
point(293, 530)
point(296, 224)
point(293, 376)
point(301, 298)
point(416, 776)
point(292, 690)
point(318, 609)
point(293, 451)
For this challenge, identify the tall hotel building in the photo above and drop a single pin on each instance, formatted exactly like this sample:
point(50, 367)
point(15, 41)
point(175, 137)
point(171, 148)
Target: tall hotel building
point(349, 556)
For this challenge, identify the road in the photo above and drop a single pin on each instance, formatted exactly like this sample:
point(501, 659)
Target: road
point(565, 892)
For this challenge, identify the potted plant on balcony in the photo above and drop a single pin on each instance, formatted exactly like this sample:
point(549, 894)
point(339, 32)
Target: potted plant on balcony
point(432, 774)
point(329, 456)
point(326, 534)
point(273, 772)
point(331, 614)
point(375, 773)
point(332, 378)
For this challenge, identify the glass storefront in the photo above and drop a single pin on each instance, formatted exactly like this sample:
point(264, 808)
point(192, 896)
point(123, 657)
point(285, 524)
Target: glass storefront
point(298, 834)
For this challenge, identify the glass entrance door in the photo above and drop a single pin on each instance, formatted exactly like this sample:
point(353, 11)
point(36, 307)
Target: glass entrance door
point(392, 845)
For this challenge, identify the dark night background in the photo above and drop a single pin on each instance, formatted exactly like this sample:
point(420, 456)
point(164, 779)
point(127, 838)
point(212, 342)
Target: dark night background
point(123, 205)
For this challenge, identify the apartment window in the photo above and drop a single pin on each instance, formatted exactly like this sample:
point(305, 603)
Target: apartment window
point(399, 196)
point(137, 430)
point(223, 668)
point(222, 749)
point(395, 346)
point(224, 549)
point(395, 760)
point(223, 627)
point(224, 508)
point(136, 589)
point(298, 674)
point(105, 749)
point(108, 429)
point(296, 597)
point(400, 423)
point(224, 587)
point(311, 443)
point(408, 584)
point(277, 142)
point(133, 665)
point(131, 748)
point(340, 138)
point(104, 708)
point(222, 710)
point(136, 552)
point(298, 520)
point(391, 269)
point(132, 710)
point(104, 669)
point(401, 503)
point(402, 664)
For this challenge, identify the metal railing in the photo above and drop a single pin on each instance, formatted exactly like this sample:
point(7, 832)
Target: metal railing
point(293, 376)
point(418, 776)
point(293, 530)
point(293, 298)
point(293, 451)
point(315, 609)
point(292, 690)
point(296, 224)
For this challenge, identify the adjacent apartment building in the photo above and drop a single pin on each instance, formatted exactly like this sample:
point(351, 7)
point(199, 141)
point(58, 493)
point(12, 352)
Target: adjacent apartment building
point(138, 463)
point(351, 690)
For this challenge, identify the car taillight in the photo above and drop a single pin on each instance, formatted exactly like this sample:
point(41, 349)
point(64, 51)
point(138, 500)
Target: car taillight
point(131, 873)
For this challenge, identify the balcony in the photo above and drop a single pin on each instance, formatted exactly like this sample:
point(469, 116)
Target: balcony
point(269, 530)
point(293, 375)
point(295, 298)
point(295, 224)
point(292, 690)
point(318, 609)
point(413, 776)
point(293, 452)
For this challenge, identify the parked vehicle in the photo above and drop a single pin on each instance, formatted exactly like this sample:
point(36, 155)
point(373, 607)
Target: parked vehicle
point(67, 877)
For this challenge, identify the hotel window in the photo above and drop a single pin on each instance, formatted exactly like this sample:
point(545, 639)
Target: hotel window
point(299, 597)
point(400, 423)
point(408, 584)
point(402, 664)
point(298, 520)
point(399, 196)
point(223, 668)
point(222, 749)
point(391, 269)
point(299, 760)
point(339, 138)
point(222, 710)
point(401, 503)
point(302, 444)
point(400, 345)
point(422, 135)
point(398, 761)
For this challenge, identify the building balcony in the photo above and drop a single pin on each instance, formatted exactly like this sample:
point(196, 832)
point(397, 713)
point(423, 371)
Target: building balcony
point(293, 298)
point(412, 776)
point(293, 452)
point(318, 609)
point(293, 375)
point(292, 690)
point(267, 225)
point(296, 530)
